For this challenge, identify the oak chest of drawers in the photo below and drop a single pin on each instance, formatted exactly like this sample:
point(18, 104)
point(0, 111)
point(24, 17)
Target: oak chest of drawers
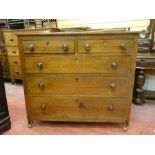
point(79, 76)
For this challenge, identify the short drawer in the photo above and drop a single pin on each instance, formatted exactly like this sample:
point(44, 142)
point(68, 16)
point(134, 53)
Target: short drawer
point(15, 67)
point(123, 46)
point(78, 109)
point(78, 64)
point(78, 85)
point(48, 46)
point(13, 51)
point(10, 39)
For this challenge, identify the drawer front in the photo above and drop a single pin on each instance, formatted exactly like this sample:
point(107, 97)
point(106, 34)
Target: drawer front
point(78, 109)
point(13, 51)
point(10, 39)
point(78, 64)
point(78, 84)
point(54, 46)
point(123, 46)
point(15, 67)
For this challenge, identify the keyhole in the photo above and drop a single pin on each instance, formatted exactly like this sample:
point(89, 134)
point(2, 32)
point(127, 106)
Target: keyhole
point(47, 43)
point(76, 60)
point(81, 105)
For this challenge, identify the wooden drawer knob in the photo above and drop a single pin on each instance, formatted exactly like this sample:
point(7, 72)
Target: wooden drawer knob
point(110, 107)
point(41, 85)
point(17, 72)
point(30, 47)
point(43, 106)
point(114, 65)
point(11, 39)
point(65, 47)
point(15, 61)
point(123, 46)
point(40, 65)
point(113, 85)
point(13, 51)
point(87, 47)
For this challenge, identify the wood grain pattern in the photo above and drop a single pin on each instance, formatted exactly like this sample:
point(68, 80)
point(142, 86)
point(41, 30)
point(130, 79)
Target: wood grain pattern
point(78, 108)
point(78, 85)
point(106, 46)
point(78, 64)
point(49, 46)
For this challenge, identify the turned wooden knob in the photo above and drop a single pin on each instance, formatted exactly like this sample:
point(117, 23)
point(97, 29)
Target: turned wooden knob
point(11, 39)
point(43, 106)
point(114, 65)
point(113, 85)
point(15, 61)
point(17, 72)
point(123, 46)
point(13, 51)
point(87, 47)
point(41, 85)
point(110, 107)
point(65, 47)
point(30, 47)
point(40, 65)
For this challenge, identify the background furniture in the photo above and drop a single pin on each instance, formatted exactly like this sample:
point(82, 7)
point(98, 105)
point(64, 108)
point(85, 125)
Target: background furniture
point(4, 60)
point(28, 23)
point(5, 123)
point(81, 77)
point(145, 65)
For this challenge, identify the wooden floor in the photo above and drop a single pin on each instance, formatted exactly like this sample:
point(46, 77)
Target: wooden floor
point(142, 120)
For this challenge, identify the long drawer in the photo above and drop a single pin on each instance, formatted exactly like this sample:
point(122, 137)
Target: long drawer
point(78, 109)
point(48, 46)
point(124, 46)
point(78, 85)
point(78, 64)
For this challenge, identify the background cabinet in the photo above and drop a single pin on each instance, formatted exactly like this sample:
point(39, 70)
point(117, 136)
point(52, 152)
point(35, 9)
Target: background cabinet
point(4, 114)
